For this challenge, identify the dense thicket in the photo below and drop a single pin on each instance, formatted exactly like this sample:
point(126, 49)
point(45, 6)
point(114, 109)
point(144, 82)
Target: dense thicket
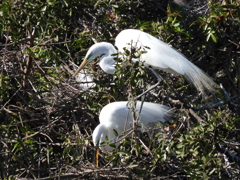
point(47, 117)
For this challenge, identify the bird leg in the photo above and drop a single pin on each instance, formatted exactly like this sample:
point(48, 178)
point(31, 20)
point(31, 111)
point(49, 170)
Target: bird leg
point(152, 87)
point(96, 157)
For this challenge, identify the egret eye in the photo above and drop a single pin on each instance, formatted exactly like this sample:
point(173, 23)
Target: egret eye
point(154, 52)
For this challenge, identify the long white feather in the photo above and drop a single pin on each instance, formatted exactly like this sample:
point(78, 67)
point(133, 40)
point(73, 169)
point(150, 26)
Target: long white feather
point(159, 55)
point(162, 56)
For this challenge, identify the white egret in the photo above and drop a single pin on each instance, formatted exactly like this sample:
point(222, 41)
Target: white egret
point(159, 55)
point(117, 116)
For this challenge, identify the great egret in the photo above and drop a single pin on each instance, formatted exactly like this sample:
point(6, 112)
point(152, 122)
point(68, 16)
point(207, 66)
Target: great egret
point(117, 116)
point(159, 55)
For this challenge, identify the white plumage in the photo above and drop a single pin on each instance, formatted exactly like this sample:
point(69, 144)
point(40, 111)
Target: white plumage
point(159, 56)
point(117, 116)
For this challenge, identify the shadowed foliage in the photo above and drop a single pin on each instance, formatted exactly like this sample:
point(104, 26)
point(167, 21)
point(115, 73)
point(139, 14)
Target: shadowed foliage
point(47, 117)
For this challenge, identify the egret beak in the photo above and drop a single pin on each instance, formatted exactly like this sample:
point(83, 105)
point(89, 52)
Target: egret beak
point(96, 156)
point(85, 61)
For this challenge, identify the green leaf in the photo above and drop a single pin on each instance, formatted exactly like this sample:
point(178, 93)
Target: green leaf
point(112, 145)
point(213, 38)
point(180, 145)
point(89, 138)
point(107, 138)
point(115, 132)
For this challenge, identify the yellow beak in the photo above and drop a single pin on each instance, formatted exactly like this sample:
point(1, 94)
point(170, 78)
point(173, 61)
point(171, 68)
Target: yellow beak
point(96, 156)
point(85, 61)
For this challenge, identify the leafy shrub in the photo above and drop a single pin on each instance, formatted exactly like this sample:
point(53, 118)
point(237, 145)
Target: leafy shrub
point(47, 118)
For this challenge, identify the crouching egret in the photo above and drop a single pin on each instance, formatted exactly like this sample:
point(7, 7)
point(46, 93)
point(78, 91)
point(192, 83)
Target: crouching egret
point(117, 116)
point(159, 55)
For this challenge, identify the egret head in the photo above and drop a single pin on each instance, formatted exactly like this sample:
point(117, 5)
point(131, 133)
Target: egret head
point(98, 49)
point(91, 54)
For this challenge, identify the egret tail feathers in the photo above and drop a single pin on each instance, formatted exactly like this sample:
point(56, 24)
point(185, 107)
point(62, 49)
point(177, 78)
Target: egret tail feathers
point(201, 80)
